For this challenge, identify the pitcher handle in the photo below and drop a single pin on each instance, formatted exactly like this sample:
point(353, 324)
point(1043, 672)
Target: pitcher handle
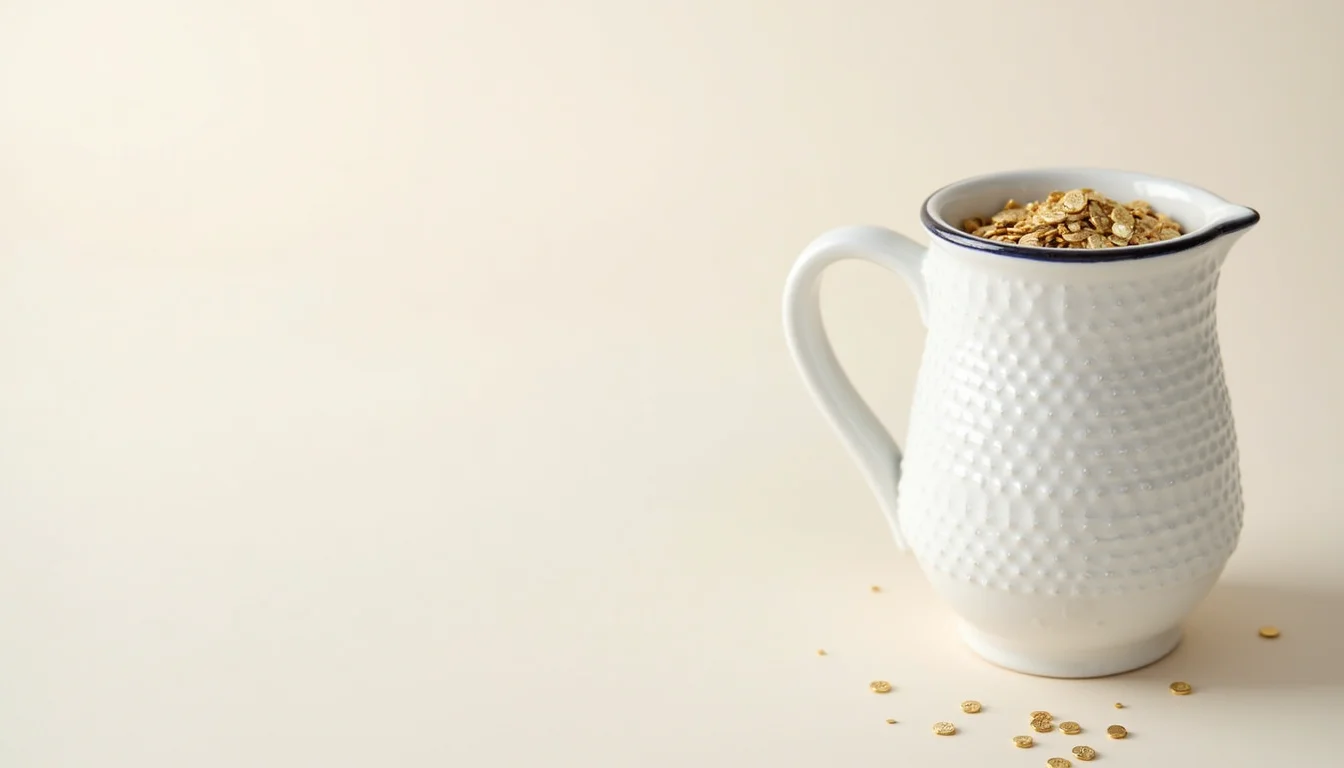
point(868, 441)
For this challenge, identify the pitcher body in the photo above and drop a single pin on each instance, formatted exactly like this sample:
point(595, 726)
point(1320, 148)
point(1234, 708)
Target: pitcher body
point(1070, 482)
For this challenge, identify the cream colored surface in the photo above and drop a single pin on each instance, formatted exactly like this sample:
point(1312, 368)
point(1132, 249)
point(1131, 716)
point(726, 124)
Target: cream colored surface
point(402, 384)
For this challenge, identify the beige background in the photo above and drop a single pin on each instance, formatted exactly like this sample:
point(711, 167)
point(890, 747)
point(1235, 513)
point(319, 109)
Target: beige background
point(401, 384)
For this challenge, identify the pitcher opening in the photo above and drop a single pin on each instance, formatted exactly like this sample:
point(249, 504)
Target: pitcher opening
point(1203, 215)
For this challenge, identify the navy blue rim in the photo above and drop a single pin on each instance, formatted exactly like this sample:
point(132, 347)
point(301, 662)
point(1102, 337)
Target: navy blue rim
point(1076, 255)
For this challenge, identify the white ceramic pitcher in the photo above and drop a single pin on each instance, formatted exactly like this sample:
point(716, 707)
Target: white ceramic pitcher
point(1070, 479)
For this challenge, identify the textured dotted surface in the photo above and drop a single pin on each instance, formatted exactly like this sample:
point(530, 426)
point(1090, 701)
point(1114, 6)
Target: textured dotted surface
point(1072, 439)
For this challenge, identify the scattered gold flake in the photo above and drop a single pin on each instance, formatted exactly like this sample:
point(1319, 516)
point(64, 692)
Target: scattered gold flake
point(879, 686)
point(1181, 689)
point(1023, 742)
point(1084, 753)
point(1079, 218)
point(970, 707)
point(1116, 731)
point(1070, 728)
point(891, 721)
point(1269, 632)
point(944, 729)
point(1058, 762)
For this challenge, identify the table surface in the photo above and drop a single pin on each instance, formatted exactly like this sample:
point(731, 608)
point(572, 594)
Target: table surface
point(402, 384)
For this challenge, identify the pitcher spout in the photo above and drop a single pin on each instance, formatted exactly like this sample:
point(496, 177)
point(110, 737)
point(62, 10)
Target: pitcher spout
point(1232, 220)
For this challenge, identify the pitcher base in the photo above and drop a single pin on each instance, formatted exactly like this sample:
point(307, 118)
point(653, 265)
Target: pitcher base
point(1092, 662)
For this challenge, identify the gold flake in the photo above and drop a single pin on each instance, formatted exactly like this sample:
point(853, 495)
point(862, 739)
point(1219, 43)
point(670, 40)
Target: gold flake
point(1073, 201)
point(1121, 215)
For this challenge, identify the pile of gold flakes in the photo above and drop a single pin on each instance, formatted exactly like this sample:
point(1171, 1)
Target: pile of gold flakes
point(1079, 218)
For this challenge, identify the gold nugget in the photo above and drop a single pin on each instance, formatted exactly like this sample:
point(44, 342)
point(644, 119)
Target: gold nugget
point(1269, 632)
point(1042, 726)
point(1181, 689)
point(970, 707)
point(1085, 753)
point(1116, 731)
point(944, 729)
point(1058, 762)
point(879, 686)
point(1023, 742)
point(1041, 713)
point(890, 721)
point(1070, 728)
point(1118, 705)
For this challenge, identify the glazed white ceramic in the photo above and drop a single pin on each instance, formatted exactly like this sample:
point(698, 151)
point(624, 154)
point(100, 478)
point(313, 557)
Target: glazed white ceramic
point(1070, 481)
